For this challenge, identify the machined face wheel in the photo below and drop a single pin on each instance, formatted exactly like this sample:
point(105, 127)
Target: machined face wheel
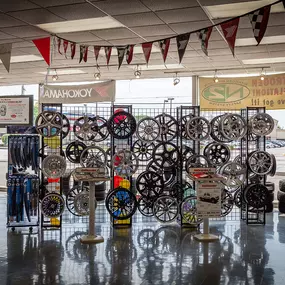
point(260, 162)
point(165, 209)
point(233, 126)
point(54, 166)
point(168, 127)
point(198, 128)
point(261, 124)
point(148, 130)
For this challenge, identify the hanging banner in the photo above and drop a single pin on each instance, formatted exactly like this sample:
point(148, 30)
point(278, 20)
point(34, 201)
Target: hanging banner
point(74, 94)
point(237, 93)
point(16, 110)
point(209, 199)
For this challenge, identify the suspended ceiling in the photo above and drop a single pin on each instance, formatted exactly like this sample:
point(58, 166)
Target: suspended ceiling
point(132, 22)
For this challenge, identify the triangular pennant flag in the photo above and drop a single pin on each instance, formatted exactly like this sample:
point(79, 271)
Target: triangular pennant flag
point(182, 42)
point(5, 55)
point(43, 46)
point(259, 21)
point(129, 53)
point(121, 53)
point(65, 46)
point(96, 52)
point(204, 36)
point(108, 51)
point(59, 45)
point(83, 53)
point(230, 32)
point(164, 47)
point(147, 51)
point(73, 49)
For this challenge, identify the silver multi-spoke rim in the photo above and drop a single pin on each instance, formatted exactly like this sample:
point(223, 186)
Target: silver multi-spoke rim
point(93, 156)
point(49, 124)
point(260, 162)
point(165, 209)
point(261, 124)
point(233, 126)
point(54, 166)
point(148, 129)
point(125, 163)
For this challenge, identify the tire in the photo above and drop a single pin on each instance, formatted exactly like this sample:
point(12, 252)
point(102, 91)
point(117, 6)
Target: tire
point(270, 186)
point(281, 207)
point(281, 196)
point(282, 185)
point(271, 197)
point(269, 208)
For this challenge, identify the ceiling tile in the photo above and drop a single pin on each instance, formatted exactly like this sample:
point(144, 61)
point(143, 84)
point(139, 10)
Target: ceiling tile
point(77, 11)
point(25, 31)
point(126, 41)
point(140, 19)
point(7, 21)
point(119, 33)
point(79, 36)
point(157, 5)
point(50, 3)
point(36, 16)
point(181, 28)
point(16, 5)
point(155, 30)
point(4, 36)
point(121, 7)
point(183, 15)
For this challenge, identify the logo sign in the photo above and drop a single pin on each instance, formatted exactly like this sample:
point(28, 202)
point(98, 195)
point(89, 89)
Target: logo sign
point(74, 94)
point(238, 93)
point(225, 93)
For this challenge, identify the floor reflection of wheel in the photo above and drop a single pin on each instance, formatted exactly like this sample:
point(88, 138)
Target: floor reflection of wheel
point(146, 239)
point(96, 273)
point(165, 209)
point(166, 241)
point(75, 250)
point(188, 211)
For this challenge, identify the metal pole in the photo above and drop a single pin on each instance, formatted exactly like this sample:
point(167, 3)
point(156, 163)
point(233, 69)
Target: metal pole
point(170, 99)
point(195, 90)
point(91, 208)
point(206, 226)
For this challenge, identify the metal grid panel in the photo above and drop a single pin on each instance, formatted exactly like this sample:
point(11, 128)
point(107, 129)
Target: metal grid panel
point(235, 147)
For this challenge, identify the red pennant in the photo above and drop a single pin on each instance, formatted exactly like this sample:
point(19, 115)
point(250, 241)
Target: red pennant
point(73, 49)
point(147, 51)
point(230, 32)
point(59, 45)
point(65, 46)
point(83, 53)
point(96, 51)
point(164, 47)
point(108, 51)
point(43, 46)
point(129, 53)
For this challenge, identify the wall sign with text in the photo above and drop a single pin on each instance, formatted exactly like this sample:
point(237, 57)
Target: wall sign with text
point(237, 93)
point(16, 110)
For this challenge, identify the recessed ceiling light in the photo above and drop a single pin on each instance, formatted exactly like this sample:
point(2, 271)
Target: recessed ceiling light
point(160, 67)
point(265, 41)
point(236, 9)
point(264, 60)
point(63, 72)
point(81, 25)
point(25, 58)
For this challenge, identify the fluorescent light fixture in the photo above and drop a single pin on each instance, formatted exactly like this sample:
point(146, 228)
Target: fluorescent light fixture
point(99, 23)
point(25, 58)
point(265, 41)
point(63, 72)
point(236, 9)
point(264, 60)
point(160, 67)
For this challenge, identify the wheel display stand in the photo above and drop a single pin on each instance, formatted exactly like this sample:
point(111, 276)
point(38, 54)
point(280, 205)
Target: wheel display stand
point(23, 182)
point(249, 144)
point(91, 175)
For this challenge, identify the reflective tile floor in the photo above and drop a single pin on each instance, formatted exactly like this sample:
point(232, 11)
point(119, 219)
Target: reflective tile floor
point(147, 253)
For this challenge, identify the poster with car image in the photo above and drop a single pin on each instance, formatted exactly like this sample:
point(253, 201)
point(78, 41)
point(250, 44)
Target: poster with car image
point(209, 199)
point(16, 110)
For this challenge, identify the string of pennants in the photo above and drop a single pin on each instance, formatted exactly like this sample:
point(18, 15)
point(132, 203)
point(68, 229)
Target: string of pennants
point(258, 19)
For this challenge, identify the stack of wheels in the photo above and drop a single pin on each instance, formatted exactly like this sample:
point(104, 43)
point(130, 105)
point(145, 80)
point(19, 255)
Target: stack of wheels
point(281, 196)
point(269, 206)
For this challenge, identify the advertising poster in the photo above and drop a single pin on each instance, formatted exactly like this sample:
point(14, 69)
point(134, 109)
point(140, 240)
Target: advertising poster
point(16, 110)
point(209, 200)
point(237, 93)
point(78, 94)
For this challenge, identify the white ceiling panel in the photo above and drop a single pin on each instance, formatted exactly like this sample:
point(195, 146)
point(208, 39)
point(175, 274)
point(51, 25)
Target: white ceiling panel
point(117, 33)
point(158, 5)
point(51, 3)
point(16, 5)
